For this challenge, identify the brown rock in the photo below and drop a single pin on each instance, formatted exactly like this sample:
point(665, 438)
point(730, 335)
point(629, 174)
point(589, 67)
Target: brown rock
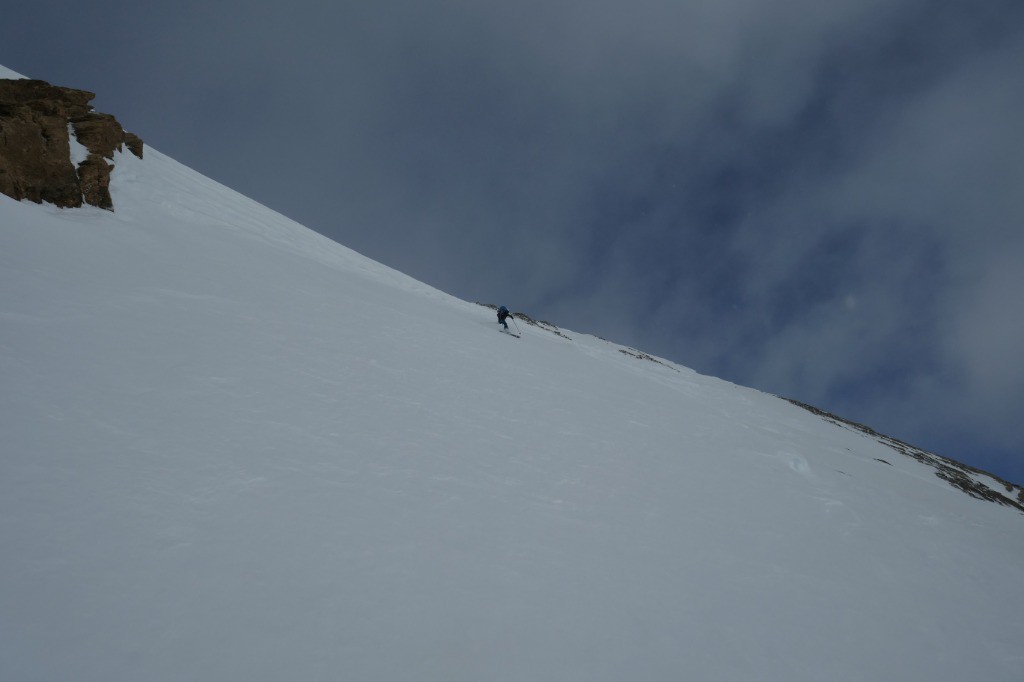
point(42, 96)
point(99, 133)
point(35, 150)
point(35, 161)
point(134, 144)
point(94, 176)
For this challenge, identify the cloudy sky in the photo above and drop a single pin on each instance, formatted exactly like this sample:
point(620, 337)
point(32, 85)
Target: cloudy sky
point(823, 200)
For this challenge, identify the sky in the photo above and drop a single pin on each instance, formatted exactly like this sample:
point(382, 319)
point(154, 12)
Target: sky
point(818, 200)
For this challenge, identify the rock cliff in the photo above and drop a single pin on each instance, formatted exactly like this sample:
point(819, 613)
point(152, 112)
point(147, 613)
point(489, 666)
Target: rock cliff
point(37, 120)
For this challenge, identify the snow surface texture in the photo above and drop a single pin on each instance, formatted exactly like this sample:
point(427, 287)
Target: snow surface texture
point(235, 450)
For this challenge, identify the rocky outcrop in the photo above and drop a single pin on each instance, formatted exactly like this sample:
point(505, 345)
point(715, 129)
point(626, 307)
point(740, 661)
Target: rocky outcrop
point(961, 476)
point(36, 121)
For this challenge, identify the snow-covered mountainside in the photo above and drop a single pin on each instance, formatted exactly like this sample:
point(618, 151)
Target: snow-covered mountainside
point(235, 450)
point(7, 73)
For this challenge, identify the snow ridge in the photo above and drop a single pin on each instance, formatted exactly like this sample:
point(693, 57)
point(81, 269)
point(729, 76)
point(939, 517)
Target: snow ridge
point(8, 74)
point(977, 483)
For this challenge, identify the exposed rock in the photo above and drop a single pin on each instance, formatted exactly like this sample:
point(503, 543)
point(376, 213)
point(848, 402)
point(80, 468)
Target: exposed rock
point(134, 143)
point(546, 326)
point(640, 355)
point(94, 177)
point(99, 133)
point(35, 149)
point(957, 474)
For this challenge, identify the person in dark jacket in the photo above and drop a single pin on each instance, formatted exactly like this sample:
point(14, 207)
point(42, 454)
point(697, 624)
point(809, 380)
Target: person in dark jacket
point(502, 314)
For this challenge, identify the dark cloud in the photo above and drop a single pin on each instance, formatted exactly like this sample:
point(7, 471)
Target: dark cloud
point(818, 199)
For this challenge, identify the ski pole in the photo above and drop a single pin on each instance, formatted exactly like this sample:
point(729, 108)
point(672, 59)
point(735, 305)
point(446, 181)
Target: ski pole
point(517, 325)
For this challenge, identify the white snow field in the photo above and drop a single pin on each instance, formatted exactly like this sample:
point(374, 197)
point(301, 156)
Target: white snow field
point(235, 450)
point(7, 73)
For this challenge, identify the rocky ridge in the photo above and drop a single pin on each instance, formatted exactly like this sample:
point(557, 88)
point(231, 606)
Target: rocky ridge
point(959, 475)
point(37, 120)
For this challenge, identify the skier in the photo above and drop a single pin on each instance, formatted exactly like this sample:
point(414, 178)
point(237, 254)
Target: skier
point(502, 314)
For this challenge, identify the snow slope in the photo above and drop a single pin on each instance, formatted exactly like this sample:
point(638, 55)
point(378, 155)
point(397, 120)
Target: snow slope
point(8, 74)
point(235, 450)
